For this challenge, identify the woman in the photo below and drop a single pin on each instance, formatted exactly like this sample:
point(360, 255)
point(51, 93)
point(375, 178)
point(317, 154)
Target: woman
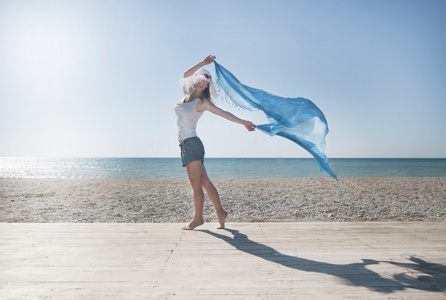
point(198, 87)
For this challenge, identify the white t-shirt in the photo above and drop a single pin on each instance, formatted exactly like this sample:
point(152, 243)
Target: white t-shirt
point(187, 118)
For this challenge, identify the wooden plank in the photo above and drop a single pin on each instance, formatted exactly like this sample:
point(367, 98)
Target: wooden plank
point(247, 261)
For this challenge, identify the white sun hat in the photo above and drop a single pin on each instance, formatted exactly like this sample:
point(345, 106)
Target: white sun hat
point(201, 74)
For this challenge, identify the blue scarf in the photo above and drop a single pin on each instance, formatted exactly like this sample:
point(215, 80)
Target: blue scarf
point(296, 119)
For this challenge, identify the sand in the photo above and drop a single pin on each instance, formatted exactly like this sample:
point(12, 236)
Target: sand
point(246, 200)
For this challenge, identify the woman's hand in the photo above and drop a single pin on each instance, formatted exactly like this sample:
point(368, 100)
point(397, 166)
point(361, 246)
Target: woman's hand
point(209, 59)
point(206, 104)
point(250, 126)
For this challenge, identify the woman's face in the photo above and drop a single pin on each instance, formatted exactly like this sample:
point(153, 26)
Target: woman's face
point(201, 85)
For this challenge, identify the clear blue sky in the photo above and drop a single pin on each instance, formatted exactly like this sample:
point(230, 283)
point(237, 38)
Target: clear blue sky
point(101, 78)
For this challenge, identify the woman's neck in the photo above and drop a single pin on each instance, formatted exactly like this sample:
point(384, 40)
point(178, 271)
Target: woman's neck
point(196, 95)
point(193, 96)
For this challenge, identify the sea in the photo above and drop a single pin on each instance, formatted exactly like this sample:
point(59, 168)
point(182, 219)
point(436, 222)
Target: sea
point(137, 168)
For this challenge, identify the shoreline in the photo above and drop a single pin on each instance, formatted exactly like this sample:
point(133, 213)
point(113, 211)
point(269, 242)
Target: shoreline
point(247, 200)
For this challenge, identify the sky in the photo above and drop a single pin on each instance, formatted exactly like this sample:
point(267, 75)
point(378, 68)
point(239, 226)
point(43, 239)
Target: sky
point(100, 78)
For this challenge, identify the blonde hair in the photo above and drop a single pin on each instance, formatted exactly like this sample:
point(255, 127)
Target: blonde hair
point(189, 86)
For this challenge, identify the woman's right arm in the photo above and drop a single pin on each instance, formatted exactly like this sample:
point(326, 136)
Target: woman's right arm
point(208, 60)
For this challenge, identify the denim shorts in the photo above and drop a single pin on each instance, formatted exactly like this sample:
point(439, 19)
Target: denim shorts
point(192, 149)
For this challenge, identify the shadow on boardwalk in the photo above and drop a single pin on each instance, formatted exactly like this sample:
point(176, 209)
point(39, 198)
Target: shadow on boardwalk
point(355, 274)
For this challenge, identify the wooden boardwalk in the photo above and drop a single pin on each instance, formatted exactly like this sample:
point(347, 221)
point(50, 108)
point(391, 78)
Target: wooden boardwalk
point(367, 260)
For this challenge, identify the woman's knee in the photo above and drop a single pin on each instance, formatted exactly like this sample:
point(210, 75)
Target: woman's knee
point(195, 183)
point(204, 180)
point(207, 184)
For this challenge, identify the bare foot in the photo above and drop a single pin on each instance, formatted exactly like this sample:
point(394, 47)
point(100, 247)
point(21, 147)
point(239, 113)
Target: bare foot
point(193, 224)
point(221, 219)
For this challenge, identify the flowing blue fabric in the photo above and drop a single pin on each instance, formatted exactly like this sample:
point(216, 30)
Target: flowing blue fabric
point(296, 119)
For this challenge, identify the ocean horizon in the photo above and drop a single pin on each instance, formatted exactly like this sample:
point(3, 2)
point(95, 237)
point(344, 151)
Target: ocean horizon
point(159, 168)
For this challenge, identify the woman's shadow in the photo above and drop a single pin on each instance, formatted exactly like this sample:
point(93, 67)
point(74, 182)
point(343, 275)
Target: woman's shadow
point(355, 274)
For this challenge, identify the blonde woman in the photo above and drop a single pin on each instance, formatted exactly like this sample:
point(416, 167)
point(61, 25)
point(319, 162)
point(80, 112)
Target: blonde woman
point(198, 89)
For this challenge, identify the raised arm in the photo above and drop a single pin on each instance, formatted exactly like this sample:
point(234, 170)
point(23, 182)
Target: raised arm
point(208, 60)
point(209, 106)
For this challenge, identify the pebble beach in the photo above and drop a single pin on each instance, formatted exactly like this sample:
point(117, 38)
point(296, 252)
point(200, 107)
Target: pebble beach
point(246, 200)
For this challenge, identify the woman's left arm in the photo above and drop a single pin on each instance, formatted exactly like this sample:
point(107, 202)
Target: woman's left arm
point(209, 106)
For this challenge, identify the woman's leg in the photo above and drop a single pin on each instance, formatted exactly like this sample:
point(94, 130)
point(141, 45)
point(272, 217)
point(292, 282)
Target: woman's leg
point(198, 179)
point(215, 198)
point(194, 172)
